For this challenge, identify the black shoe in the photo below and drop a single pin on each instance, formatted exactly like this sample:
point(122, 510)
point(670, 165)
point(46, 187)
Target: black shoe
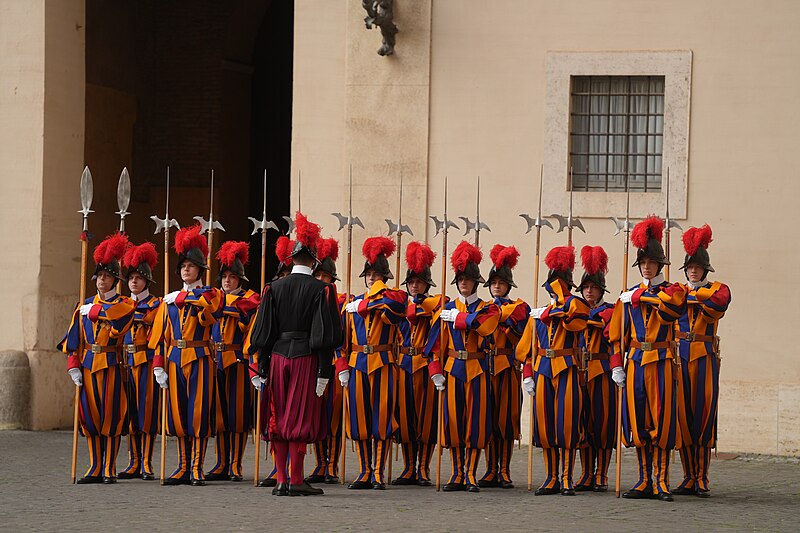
point(454, 487)
point(317, 478)
point(488, 483)
point(234, 478)
point(665, 497)
point(542, 491)
point(177, 480)
point(304, 489)
point(638, 494)
point(600, 488)
point(109, 480)
point(281, 489)
point(198, 483)
point(331, 480)
point(88, 480)
point(568, 492)
point(405, 481)
point(506, 484)
point(268, 482)
point(218, 476)
point(129, 475)
point(424, 483)
point(378, 486)
point(473, 488)
point(359, 485)
point(683, 491)
point(147, 476)
point(702, 493)
point(584, 488)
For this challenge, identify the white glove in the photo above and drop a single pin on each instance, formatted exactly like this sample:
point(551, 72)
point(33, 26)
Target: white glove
point(257, 382)
point(344, 378)
point(438, 381)
point(536, 312)
point(626, 296)
point(76, 375)
point(85, 308)
point(529, 386)
point(161, 377)
point(618, 375)
point(321, 384)
point(351, 307)
point(449, 315)
point(171, 297)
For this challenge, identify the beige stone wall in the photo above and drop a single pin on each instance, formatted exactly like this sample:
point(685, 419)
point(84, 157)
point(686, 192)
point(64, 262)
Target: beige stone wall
point(486, 102)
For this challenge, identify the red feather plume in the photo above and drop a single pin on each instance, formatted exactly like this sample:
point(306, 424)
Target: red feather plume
point(283, 249)
point(306, 232)
point(650, 228)
point(419, 256)
point(144, 253)
point(230, 250)
point(113, 247)
point(504, 256)
point(375, 246)
point(695, 238)
point(464, 254)
point(594, 259)
point(188, 238)
point(560, 258)
point(328, 248)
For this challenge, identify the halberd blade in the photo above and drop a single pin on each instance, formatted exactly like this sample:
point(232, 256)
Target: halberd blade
point(124, 192)
point(87, 192)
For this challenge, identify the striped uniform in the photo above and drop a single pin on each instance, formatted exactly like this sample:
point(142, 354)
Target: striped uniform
point(234, 400)
point(371, 392)
point(186, 326)
point(94, 344)
point(468, 423)
point(145, 392)
point(558, 399)
point(697, 406)
point(506, 388)
point(417, 401)
point(600, 399)
point(649, 420)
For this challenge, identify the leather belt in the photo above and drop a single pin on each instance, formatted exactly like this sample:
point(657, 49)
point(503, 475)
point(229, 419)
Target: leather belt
point(133, 348)
point(693, 337)
point(99, 348)
point(410, 350)
point(501, 351)
point(293, 335)
point(222, 347)
point(550, 354)
point(372, 348)
point(597, 356)
point(182, 344)
point(464, 355)
point(647, 346)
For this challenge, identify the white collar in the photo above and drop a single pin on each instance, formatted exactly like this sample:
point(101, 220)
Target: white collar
point(141, 296)
point(196, 285)
point(695, 286)
point(302, 269)
point(237, 291)
point(469, 300)
point(108, 295)
point(658, 280)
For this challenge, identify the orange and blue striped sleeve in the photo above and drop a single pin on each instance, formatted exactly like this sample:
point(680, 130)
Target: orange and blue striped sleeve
point(714, 300)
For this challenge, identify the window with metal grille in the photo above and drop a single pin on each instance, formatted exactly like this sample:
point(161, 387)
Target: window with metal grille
point(616, 133)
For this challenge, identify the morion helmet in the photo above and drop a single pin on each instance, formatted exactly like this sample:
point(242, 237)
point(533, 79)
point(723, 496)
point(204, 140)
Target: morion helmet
point(109, 253)
point(141, 259)
point(695, 242)
point(233, 255)
point(595, 266)
point(646, 236)
point(504, 258)
point(561, 261)
point(327, 254)
point(466, 259)
point(191, 246)
point(419, 258)
point(377, 251)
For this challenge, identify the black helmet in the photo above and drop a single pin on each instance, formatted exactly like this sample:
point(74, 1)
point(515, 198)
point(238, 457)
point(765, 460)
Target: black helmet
point(419, 258)
point(695, 242)
point(327, 254)
point(465, 260)
point(561, 261)
point(595, 266)
point(232, 257)
point(646, 236)
point(377, 250)
point(108, 254)
point(504, 258)
point(191, 246)
point(141, 259)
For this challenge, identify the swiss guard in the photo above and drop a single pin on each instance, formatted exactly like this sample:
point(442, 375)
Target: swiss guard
point(698, 345)
point(234, 401)
point(600, 398)
point(95, 361)
point(297, 329)
point(145, 393)
point(367, 368)
point(506, 370)
point(187, 370)
point(650, 376)
point(467, 394)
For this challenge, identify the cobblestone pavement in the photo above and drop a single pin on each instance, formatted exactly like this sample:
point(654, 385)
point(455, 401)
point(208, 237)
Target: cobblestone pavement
point(749, 493)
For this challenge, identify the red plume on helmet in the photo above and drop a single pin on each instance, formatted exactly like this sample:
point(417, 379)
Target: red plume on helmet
point(560, 259)
point(650, 228)
point(306, 232)
point(144, 253)
point(419, 256)
point(377, 246)
point(503, 256)
point(695, 238)
point(283, 249)
point(464, 254)
point(233, 250)
point(188, 238)
point(111, 249)
point(327, 249)
point(594, 259)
